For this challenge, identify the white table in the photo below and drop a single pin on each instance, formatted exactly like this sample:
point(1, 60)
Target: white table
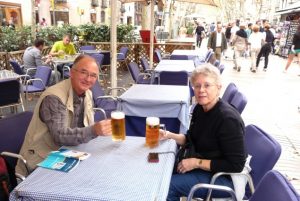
point(175, 65)
point(168, 101)
point(6, 75)
point(114, 171)
point(56, 61)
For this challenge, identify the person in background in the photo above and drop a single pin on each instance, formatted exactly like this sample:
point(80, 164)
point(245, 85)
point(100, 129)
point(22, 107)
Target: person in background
point(60, 48)
point(64, 116)
point(199, 33)
point(266, 48)
point(43, 23)
point(217, 41)
point(216, 134)
point(4, 23)
point(32, 57)
point(294, 51)
point(255, 40)
point(240, 44)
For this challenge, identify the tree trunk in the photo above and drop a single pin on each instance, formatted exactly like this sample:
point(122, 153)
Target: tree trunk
point(33, 21)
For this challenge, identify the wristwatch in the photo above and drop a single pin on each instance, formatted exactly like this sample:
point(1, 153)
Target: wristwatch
point(200, 162)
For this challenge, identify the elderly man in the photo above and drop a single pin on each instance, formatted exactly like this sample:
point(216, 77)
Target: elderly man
point(64, 115)
point(217, 41)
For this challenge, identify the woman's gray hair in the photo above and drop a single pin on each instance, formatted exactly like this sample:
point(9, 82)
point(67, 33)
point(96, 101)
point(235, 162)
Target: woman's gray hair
point(208, 70)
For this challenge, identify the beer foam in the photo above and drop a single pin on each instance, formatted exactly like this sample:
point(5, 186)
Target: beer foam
point(117, 115)
point(152, 121)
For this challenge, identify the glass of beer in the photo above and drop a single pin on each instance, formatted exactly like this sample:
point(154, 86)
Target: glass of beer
point(118, 125)
point(152, 131)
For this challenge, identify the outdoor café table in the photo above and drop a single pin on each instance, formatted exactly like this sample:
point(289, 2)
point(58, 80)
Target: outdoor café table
point(191, 54)
point(175, 65)
point(56, 61)
point(6, 75)
point(169, 102)
point(106, 53)
point(114, 171)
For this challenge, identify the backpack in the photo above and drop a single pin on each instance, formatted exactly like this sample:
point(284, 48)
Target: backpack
point(7, 179)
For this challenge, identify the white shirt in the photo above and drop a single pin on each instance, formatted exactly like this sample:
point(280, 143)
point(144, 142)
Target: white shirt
point(255, 39)
point(219, 39)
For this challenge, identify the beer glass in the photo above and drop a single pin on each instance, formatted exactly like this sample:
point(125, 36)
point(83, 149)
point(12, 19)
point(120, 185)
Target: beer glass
point(118, 125)
point(152, 131)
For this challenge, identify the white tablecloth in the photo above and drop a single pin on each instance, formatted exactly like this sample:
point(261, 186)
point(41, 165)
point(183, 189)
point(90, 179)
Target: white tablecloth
point(157, 100)
point(175, 65)
point(114, 171)
point(6, 75)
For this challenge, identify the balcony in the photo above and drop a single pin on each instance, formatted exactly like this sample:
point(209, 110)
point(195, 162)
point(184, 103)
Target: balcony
point(95, 3)
point(104, 4)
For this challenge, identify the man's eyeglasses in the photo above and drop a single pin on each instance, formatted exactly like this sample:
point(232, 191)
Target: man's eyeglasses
point(204, 86)
point(86, 74)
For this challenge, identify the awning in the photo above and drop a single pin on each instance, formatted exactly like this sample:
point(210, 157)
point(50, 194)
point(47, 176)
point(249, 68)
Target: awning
point(295, 7)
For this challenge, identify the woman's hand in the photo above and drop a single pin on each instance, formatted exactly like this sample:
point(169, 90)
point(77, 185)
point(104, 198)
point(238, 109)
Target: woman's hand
point(163, 134)
point(187, 165)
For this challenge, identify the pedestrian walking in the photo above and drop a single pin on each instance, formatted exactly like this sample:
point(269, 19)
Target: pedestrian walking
point(295, 50)
point(240, 44)
point(266, 48)
point(256, 39)
point(217, 41)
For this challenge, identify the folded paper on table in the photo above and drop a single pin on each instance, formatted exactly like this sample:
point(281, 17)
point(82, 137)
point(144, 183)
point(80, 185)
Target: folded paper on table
point(63, 160)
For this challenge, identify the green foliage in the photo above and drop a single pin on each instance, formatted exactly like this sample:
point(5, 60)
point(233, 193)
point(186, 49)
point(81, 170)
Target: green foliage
point(13, 40)
point(19, 39)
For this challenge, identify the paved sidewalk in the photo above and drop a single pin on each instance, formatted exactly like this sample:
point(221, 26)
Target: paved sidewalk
point(273, 100)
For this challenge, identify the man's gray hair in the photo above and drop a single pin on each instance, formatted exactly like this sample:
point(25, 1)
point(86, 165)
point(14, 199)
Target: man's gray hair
point(208, 70)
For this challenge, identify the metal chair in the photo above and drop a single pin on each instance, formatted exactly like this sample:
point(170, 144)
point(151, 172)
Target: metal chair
point(265, 152)
point(137, 76)
point(173, 78)
point(10, 94)
point(229, 92)
point(273, 186)
point(208, 56)
point(221, 68)
point(99, 59)
point(239, 101)
point(145, 65)
point(179, 57)
point(158, 56)
point(12, 134)
point(39, 83)
point(122, 55)
point(19, 70)
point(87, 47)
point(104, 104)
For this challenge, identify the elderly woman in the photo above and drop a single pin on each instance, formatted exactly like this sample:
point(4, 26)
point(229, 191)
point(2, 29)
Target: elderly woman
point(216, 135)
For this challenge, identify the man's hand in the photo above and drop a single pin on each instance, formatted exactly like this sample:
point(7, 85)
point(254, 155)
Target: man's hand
point(103, 127)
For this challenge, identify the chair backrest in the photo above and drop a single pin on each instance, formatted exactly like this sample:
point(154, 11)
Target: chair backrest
point(179, 57)
point(17, 68)
point(239, 101)
point(99, 59)
point(124, 52)
point(221, 68)
point(87, 47)
point(9, 92)
point(216, 63)
point(157, 54)
point(134, 71)
point(97, 91)
point(274, 186)
point(173, 78)
point(43, 73)
point(12, 133)
point(208, 55)
point(145, 63)
point(264, 149)
point(229, 92)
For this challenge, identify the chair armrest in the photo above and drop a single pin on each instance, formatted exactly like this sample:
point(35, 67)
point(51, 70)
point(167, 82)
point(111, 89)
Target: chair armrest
point(107, 97)
point(120, 53)
point(100, 110)
point(110, 89)
point(21, 158)
point(29, 69)
point(211, 187)
point(215, 176)
point(149, 71)
point(147, 75)
point(34, 79)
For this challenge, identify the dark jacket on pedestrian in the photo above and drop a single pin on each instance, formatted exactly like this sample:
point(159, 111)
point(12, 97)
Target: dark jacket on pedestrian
point(213, 40)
